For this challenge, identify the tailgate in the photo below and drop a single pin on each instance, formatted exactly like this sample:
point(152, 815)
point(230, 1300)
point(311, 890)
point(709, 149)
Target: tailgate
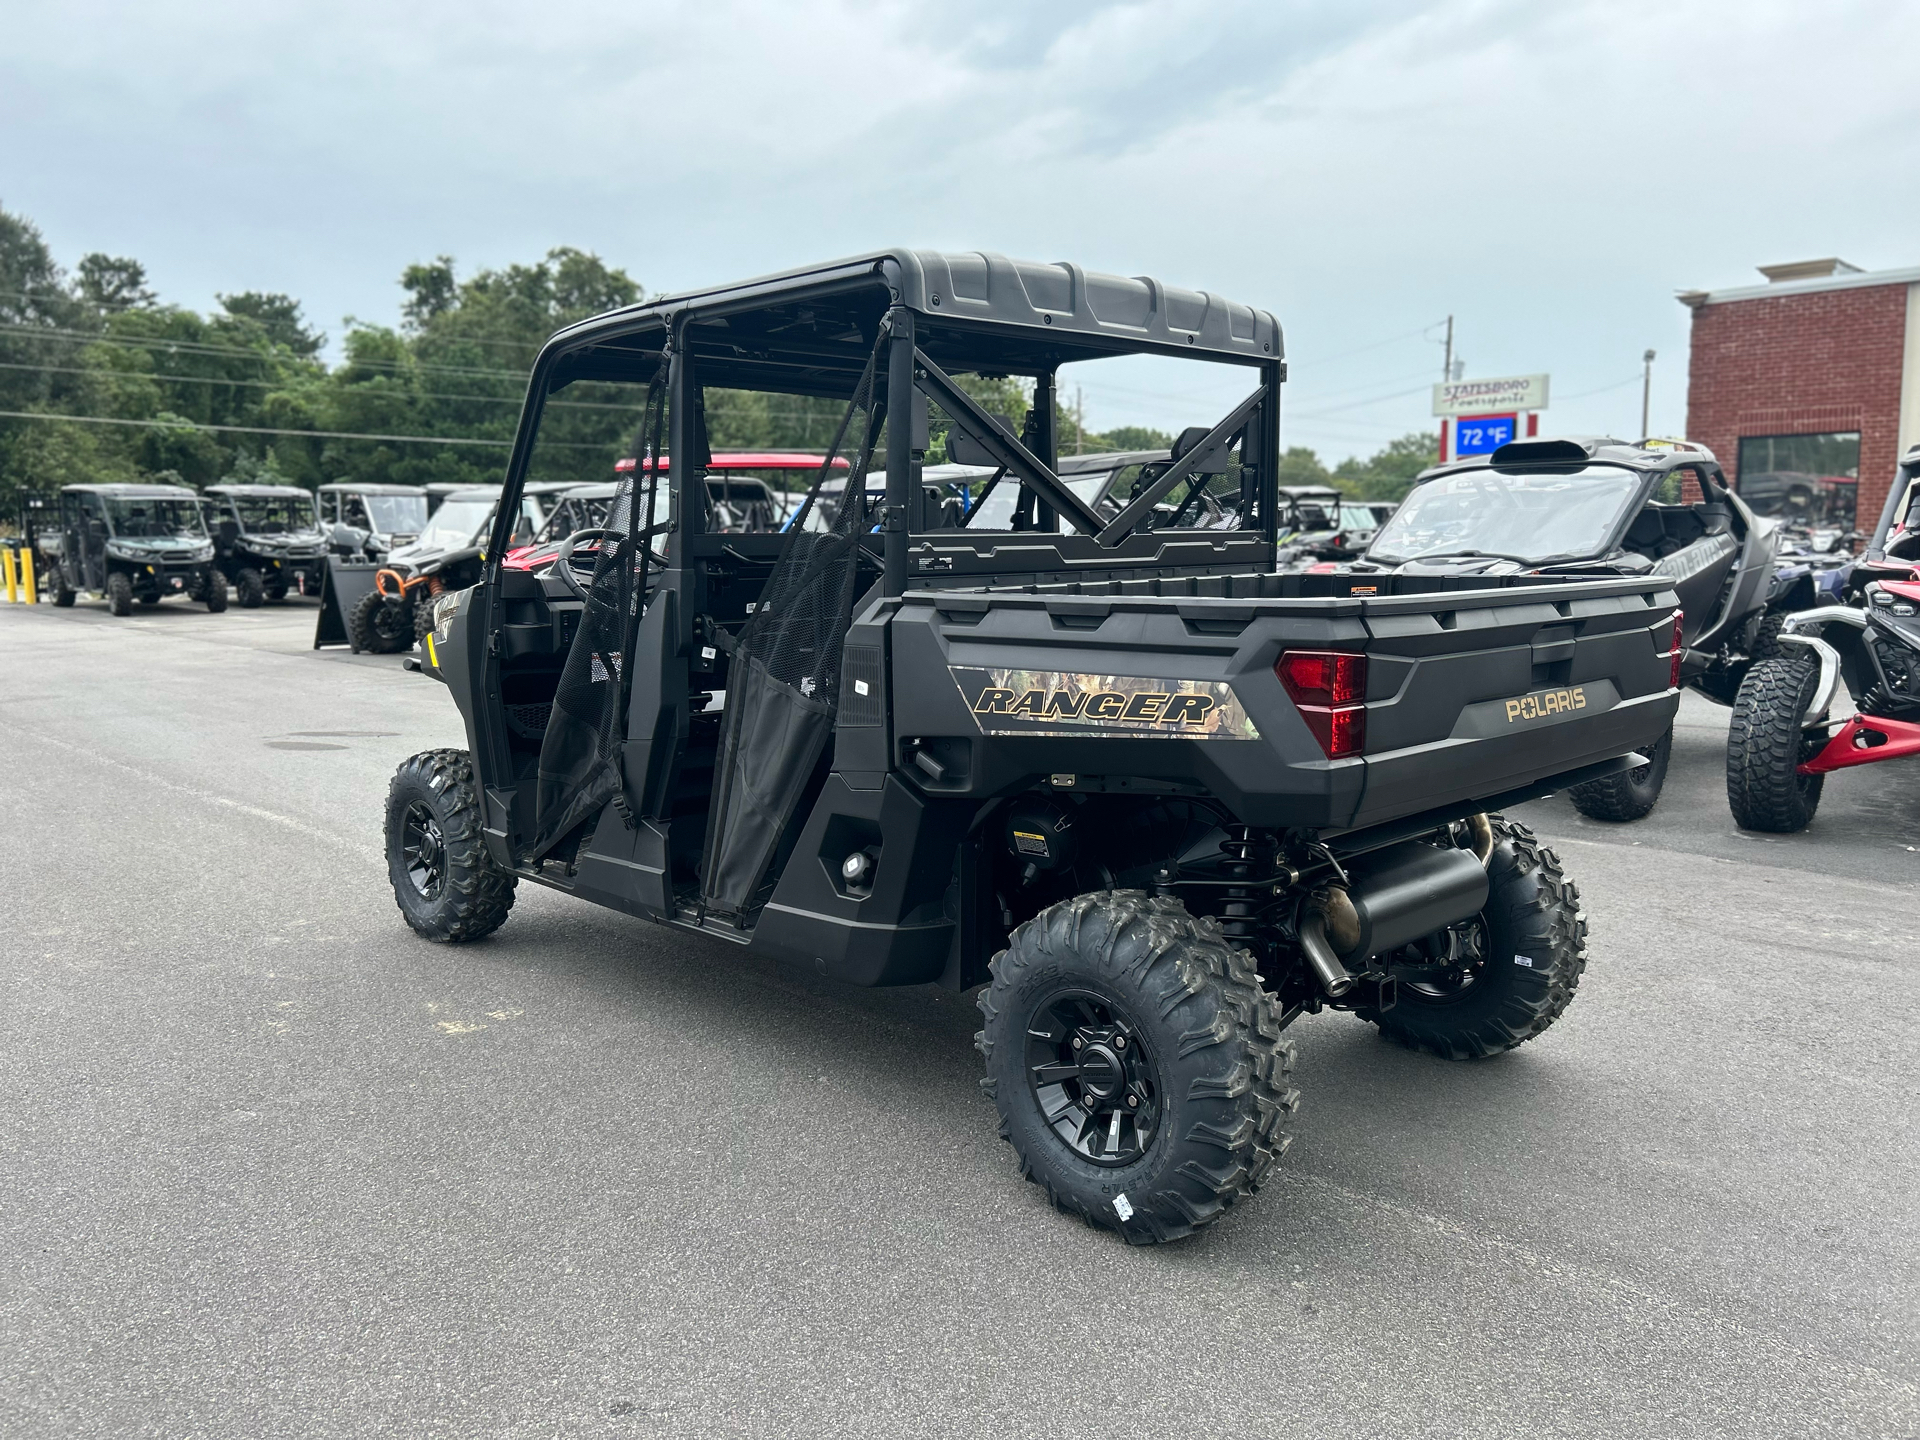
point(1474, 692)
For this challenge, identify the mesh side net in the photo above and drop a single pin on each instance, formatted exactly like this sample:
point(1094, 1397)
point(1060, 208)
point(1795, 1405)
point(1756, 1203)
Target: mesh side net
point(579, 770)
point(783, 686)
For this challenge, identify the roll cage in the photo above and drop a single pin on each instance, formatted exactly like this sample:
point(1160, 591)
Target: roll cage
point(920, 319)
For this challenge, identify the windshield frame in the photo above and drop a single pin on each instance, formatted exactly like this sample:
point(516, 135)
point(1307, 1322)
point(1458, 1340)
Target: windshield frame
point(1634, 498)
point(472, 535)
point(187, 506)
point(309, 519)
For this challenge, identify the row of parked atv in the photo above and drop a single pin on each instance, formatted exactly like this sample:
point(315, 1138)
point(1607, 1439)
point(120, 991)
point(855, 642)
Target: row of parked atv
point(140, 544)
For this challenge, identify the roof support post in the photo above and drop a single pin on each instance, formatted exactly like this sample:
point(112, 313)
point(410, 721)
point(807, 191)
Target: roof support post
point(1044, 443)
point(1267, 421)
point(900, 400)
point(688, 492)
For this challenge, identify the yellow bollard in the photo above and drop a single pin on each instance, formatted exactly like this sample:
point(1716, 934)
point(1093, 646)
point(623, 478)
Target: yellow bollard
point(29, 582)
point(6, 565)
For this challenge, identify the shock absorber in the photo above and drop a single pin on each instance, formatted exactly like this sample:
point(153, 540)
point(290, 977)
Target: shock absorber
point(436, 584)
point(1249, 859)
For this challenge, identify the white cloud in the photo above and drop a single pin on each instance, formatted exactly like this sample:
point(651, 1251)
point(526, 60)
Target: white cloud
point(1549, 174)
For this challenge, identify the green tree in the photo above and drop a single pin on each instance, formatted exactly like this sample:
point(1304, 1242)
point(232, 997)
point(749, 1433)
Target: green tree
point(279, 320)
point(1389, 473)
point(1300, 466)
point(111, 282)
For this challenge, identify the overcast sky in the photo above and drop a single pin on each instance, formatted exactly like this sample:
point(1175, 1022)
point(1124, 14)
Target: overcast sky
point(1547, 173)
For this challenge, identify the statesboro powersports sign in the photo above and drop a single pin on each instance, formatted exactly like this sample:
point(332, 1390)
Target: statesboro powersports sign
point(1490, 397)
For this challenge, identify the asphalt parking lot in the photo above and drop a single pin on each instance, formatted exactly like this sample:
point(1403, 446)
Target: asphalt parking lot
point(270, 1165)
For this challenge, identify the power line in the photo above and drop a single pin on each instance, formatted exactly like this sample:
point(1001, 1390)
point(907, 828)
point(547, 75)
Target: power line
point(264, 430)
point(195, 347)
point(127, 306)
point(275, 384)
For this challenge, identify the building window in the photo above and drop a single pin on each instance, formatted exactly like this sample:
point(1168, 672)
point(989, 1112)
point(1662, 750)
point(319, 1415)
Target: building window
point(1805, 479)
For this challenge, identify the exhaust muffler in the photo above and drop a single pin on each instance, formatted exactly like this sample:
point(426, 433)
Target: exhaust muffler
point(1393, 897)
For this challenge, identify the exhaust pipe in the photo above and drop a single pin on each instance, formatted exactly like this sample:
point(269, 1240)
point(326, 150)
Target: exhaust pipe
point(1333, 976)
point(1395, 896)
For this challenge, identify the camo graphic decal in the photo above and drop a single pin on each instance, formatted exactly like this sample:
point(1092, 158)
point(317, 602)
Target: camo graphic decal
point(1056, 702)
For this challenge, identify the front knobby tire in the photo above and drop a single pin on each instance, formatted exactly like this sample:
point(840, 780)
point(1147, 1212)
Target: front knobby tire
point(61, 593)
point(1766, 744)
point(1630, 795)
point(1169, 1015)
point(1501, 978)
point(250, 589)
point(216, 591)
point(445, 882)
point(119, 593)
point(379, 626)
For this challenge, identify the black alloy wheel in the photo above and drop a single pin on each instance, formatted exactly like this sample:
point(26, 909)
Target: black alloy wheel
point(446, 885)
point(1093, 1077)
point(1441, 968)
point(1136, 1063)
point(425, 851)
point(1499, 979)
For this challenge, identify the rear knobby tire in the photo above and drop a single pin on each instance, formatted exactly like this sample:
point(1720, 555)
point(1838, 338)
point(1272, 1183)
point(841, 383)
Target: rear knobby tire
point(379, 626)
point(250, 589)
point(1766, 745)
point(1207, 1033)
point(59, 591)
point(1631, 794)
point(216, 591)
point(119, 593)
point(1524, 956)
point(445, 882)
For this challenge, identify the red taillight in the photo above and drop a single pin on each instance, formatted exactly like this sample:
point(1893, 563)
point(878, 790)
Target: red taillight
point(1323, 677)
point(1679, 649)
point(1330, 689)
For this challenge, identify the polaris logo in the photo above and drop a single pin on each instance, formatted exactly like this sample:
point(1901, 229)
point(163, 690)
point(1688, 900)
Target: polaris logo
point(1543, 703)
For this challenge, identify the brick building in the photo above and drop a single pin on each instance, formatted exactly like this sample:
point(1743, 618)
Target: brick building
point(1808, 387)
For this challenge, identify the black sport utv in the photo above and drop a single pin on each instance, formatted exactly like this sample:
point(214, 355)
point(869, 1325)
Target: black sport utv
point(266, 540)
point(1157, 798)
point(364, 522)
point(128, 543)
point(1580, 508)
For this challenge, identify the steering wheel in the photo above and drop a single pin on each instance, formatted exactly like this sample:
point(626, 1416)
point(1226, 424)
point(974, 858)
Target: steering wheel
point(563, 557)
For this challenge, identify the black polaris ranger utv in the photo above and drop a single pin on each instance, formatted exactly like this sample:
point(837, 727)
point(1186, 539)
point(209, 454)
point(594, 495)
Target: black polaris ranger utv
point(131, 542)
point(1157, 798)
point(266, 540)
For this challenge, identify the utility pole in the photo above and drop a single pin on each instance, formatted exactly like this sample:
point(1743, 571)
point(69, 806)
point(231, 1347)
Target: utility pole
point(1646, 392)
point(1446, 365)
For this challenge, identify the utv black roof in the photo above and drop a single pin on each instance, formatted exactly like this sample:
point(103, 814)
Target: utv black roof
point(257, 492)
point(1581, 450)
point(129, 492)
point(743, 329)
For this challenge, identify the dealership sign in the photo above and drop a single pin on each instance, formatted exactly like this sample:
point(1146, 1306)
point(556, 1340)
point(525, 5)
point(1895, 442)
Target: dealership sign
point(1490, 397)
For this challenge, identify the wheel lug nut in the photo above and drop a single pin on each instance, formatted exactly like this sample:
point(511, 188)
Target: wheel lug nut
point(1119, 1042)
point(1133, 1101)
point(1076, 1042)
